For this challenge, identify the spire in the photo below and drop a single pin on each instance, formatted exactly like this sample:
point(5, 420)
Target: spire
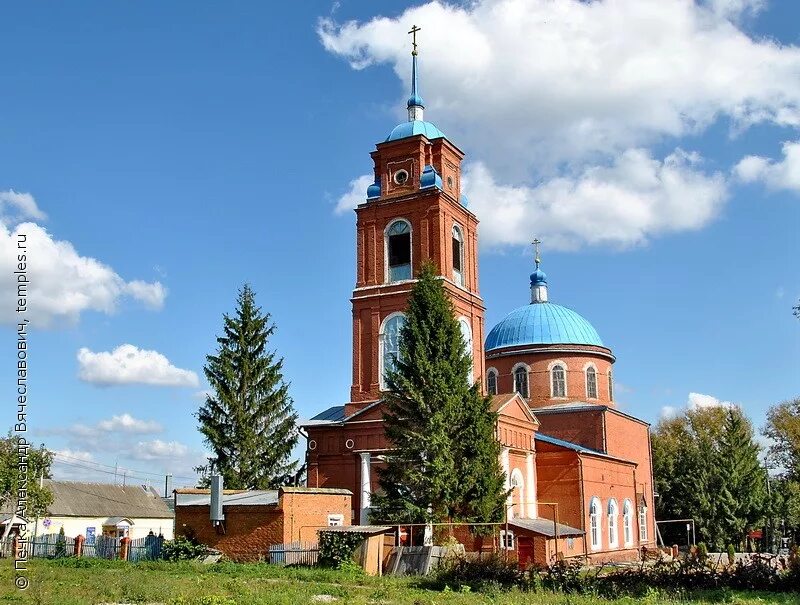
point(538, 278)
point(415, 104)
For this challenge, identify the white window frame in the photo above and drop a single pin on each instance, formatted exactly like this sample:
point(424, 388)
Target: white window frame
point(550, 367)
point(458, 276)
point(627, 522)
point(526, 367)
point(335, 520)
point(466, 334)
point(496, 374)
point(507, 540)
point(642, 510)
point(381, 346)
point(613, 526)
point(388, 277)
point(595, 523)
point(517, 481)
point(586, 368)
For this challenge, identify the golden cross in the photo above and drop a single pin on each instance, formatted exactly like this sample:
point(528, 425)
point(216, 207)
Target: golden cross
point(413, 32)
point(536, 241)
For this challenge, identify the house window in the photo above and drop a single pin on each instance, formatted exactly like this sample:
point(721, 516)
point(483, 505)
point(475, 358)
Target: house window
point(627, 522)
point(491, 382)
point(591, 383)
point(610, 387)
point(613, 513)
point(521, 381)
point(594, 523)
point(642, 523)
point(466, 334)
point(559, 381)
point(390, 344)
point(458, 256)
point(335, 520)
point(398, 250)
point(506, 539)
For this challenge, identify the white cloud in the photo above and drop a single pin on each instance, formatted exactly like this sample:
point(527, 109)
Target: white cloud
point(63, 284)
point(623, 204)
point(697, 401)
point(128, 424)
point(776, 175)
point(128, 364)
point(357, 194)
point(159, 450)
point(561, 99)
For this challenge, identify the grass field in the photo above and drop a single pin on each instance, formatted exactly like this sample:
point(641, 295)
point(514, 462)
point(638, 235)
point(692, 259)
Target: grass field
point(68, 582)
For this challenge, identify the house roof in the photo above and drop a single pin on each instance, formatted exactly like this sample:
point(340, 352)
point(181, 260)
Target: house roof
point(575, 447)
point(369, 530)
point(545, 527)
point(79, 499)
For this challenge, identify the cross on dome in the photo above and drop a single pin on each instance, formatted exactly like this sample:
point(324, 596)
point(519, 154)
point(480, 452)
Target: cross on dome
point(538, 277)
point(415, 103)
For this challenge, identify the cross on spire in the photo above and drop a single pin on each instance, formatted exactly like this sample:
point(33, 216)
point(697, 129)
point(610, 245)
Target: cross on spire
point(536, 241)
point(413, 32)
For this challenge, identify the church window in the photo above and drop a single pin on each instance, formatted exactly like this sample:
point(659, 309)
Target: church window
point(610, 387)
point(591, 382)
point(594, 523)
point(398, 244)
point(400, 177)
point(558, 377)
point(627, 522)
point(466, 334)
point(521, 380)
point(613, 513)
point(390, 345)
point(642, 523)
point(491, 382)
point(458, 256)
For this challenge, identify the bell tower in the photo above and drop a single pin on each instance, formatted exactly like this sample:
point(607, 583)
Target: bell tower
point(414, 212)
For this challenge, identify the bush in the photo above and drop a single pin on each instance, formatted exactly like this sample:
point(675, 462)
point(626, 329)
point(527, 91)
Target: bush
point(731, 555)
point(336, 548)
point(61, 544)
point(181, 549)
point(479, 574)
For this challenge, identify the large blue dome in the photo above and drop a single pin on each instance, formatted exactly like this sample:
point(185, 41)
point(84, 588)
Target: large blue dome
point(542, 323)
point(409, 129)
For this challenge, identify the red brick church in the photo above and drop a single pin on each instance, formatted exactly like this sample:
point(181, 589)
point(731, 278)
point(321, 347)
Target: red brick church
point(566, 448)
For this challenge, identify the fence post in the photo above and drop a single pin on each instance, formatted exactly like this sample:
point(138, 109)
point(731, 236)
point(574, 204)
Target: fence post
point(123, 548)
point(15, 546)
point(79, 540)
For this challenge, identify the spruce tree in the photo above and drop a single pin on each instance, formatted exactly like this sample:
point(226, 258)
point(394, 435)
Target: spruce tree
point(444, 463)
point(248, 419)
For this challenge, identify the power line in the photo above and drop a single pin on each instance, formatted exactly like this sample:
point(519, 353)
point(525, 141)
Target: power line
point(118, 468)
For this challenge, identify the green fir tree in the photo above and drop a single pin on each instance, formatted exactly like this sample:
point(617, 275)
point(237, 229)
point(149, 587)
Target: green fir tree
point(444, 465)
point(248, 419)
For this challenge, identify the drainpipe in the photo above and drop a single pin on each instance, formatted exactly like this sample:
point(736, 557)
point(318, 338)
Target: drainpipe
point(583, 509)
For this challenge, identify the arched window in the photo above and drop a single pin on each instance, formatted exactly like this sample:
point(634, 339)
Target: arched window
point(610, 387)
point(390, 344)
point(613, 513)
point(594, 523)
point(591, 382)
point(458, 256)
point(627, 522)
point(518, 490)
point(398, 250)
point(491, 382)
point(642, 522)
point(466, 334)
point(521, 380)
point(559, 381)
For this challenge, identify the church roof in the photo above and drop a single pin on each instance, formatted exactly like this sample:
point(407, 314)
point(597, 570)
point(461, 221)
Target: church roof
point(576, 447)
point(542, 323)
point(545, 527)
point(332, 414)
point(410, 129)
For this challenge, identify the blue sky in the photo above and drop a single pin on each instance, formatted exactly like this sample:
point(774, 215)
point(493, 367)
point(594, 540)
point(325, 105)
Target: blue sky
point(161, 155)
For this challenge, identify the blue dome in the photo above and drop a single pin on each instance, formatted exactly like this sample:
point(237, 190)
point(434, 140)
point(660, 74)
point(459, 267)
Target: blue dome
point(538, 277)
point(542, 323)
point(415, 100)
point(409, 129)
